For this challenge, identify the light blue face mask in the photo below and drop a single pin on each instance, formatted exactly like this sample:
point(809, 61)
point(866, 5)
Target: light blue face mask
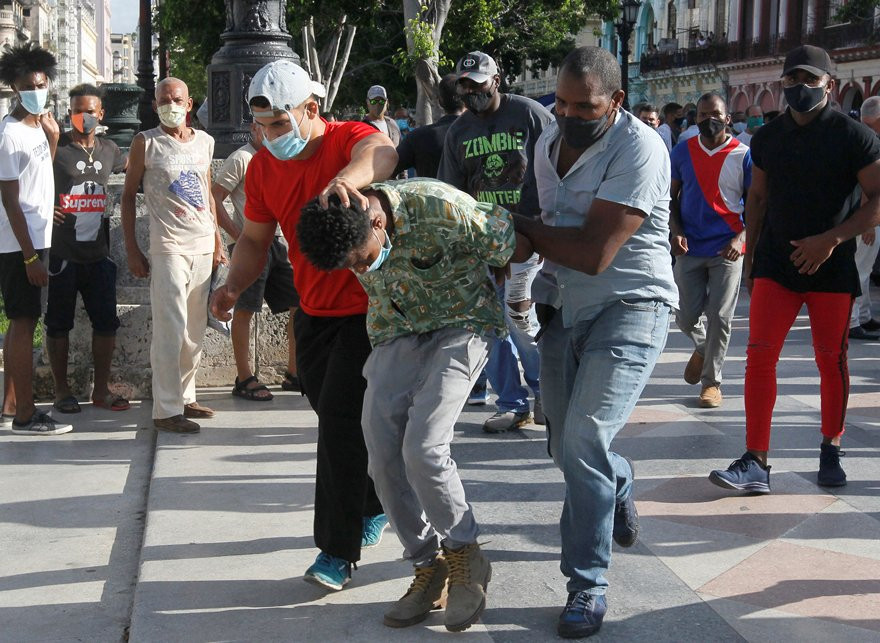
point(34, 100)
point(384, 251)
point(288, 145)
point(739, 128)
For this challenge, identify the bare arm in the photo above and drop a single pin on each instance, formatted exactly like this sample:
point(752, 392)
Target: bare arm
point(372, 159)
point(677, 238)
point(812, 252)
point(137, 262)
point(592, 247)
point(219, 193)
point(36, 271)
point(247, 263)
point(219, 255)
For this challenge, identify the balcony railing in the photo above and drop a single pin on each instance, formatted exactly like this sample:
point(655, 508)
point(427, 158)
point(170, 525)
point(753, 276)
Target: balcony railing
point(854, 34)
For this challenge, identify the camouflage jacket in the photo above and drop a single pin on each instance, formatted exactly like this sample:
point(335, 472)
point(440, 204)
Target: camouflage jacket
point(436, 275)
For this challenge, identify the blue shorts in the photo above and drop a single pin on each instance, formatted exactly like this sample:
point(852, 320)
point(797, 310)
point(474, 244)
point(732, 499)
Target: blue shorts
point(96, 282)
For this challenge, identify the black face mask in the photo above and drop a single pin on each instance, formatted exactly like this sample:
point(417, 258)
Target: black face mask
point(580, 134)
point(802, 98)
point(711, 127)
point(681, 122)
point(478, 102)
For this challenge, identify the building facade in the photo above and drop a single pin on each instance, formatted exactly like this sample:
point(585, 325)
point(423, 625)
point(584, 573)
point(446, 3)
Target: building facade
point(684, 48)
point(124, 57)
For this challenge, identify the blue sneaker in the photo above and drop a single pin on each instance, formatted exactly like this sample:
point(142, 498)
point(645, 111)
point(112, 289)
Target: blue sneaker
point(744, 474)
point(582, 615)
point(329, 571)
point(373, 528)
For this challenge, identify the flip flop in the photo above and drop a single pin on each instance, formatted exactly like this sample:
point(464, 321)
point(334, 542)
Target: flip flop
point(112, 402)
point(67, 405)
point(241, 390)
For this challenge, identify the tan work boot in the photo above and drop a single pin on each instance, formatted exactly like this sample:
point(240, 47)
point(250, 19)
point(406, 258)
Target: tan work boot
point(469, 574)
point(427, 592)
point(694, 369)
point(710, 397)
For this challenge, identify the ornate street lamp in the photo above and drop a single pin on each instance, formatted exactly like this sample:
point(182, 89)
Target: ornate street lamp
point(628, 15)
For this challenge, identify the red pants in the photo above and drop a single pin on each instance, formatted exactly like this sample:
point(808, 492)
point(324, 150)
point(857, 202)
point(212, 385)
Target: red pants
point(772, 312)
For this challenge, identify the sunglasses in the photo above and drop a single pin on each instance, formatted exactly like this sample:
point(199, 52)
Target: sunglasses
point(377, 101)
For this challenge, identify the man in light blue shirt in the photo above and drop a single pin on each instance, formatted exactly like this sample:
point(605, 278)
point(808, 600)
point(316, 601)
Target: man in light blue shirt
point(607, 291)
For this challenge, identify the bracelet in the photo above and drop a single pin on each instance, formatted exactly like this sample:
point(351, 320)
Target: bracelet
point(29, 261)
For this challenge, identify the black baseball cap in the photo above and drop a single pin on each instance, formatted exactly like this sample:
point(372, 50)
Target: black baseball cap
point(809, 58)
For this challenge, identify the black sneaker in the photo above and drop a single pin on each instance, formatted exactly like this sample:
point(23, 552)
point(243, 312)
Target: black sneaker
point(831, 474)
point(744, 474)
point(626, 518)
point(41, 424)
point(582, 615)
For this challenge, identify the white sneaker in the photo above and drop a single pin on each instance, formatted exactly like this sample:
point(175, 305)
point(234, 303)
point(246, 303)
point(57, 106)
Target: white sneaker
point(42, 424)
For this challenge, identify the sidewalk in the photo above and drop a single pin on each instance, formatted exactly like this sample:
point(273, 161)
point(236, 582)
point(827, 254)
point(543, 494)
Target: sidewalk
point(229, 517)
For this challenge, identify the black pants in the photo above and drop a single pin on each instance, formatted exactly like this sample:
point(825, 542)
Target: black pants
point(330, 355)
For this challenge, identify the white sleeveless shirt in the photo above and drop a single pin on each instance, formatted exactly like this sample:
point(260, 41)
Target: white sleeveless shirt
point(177, 193)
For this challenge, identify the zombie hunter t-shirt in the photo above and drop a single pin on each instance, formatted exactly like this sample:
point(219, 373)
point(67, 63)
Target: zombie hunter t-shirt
point(491, 157)
point(81, 194)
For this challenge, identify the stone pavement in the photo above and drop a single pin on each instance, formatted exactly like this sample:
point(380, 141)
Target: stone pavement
point(229, 511)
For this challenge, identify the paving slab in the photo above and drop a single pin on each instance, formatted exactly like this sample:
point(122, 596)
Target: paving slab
point(229, 522)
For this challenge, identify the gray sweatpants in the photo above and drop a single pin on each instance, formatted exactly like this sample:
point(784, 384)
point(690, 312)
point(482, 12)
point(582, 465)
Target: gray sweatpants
point(707, 285)
point(416, 388)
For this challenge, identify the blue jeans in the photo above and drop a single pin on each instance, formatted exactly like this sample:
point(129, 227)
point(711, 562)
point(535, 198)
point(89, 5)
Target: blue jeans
point(592, 376)
point(502, 370)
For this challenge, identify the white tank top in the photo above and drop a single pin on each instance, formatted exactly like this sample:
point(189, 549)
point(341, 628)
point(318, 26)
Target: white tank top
point(177, 194)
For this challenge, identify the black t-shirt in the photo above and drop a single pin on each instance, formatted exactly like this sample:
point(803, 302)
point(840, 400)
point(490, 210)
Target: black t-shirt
point(811, 174)
point(423, 147)
point(492, 158)
point(80, 191)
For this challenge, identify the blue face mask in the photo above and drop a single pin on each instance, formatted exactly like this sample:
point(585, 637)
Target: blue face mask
point(403, 124)
point(739, 128)
point(34, 100)
point(288, 145)
point(384, 251)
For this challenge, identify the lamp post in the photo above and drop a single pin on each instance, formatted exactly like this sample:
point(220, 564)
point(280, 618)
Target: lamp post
point(146, 114)
point(628, 16)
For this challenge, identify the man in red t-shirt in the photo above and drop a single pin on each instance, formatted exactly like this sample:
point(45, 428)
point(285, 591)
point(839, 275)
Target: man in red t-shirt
point(304, 156)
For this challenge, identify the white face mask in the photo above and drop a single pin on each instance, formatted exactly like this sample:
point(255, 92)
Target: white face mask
point(171, 115)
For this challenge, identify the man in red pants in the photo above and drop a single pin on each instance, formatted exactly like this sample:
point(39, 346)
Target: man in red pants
point(805, 231)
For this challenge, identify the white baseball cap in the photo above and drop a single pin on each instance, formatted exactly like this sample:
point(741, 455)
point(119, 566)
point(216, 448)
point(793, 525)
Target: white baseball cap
point(285, 85)
point(376, 91)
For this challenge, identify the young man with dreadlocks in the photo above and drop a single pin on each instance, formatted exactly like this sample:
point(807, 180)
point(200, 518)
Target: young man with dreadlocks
point(420, 250)
point(28, 138)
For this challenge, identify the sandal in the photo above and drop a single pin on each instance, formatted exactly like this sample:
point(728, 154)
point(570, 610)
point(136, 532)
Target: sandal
point(290, 382)
point(112, 402)
point(67, 405)
point(241, 390)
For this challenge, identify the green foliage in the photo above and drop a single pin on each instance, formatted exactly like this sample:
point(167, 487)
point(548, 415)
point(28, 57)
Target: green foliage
point(422, 33)
point(191, 38)
point(510, 30)
point(856, 10)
